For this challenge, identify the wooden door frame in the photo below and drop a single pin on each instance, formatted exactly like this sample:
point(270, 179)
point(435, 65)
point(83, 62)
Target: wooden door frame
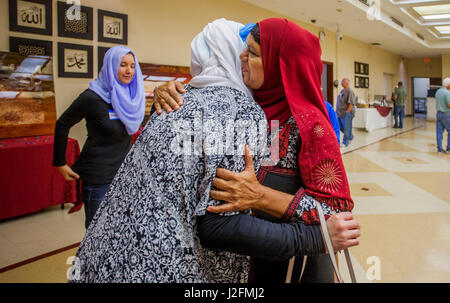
point(330, 86)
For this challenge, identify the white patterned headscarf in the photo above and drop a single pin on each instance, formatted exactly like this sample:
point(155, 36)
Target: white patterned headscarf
point(215, 56)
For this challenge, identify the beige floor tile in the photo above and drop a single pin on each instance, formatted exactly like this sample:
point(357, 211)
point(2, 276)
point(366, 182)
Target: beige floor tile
point(440, 156)
point(436, 183)
point(389, 145)
point(410, 160)
point(406, 196)
point(411, 247)
point(353, 162)
point(367, 190)
point(387, 161)
point(52, 269)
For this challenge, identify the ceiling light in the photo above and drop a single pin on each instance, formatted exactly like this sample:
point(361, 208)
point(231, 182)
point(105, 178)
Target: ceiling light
point(443, 29)
point(401, 2)
point(432, 9)
point(431, 17)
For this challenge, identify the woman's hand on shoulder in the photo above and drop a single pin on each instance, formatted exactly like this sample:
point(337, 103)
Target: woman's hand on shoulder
point(167, 96)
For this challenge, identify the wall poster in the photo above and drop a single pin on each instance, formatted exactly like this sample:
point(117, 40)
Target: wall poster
point(27, 95)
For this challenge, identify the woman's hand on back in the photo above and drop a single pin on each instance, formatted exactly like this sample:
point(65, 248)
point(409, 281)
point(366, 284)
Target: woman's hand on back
point(167, 96)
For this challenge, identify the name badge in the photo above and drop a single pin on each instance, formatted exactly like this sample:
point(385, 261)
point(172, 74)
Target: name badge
point(113, 115)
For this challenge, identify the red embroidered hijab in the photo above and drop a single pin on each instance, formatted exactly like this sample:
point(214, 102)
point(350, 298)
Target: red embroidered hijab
point(292, 81)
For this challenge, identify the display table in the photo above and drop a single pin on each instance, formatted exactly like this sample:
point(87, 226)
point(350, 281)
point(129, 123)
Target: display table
point(371, 118)
point(29, 182)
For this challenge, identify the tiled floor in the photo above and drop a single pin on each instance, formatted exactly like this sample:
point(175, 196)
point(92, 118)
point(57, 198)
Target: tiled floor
point(402, 200)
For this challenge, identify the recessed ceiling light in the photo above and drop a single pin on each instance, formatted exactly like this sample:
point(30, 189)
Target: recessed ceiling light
point(443, 29)
point(431, 17)
point(432, 9)
point(412, 1)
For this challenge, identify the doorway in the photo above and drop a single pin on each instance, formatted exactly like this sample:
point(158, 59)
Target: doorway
point(327, 82)
point(423, 88)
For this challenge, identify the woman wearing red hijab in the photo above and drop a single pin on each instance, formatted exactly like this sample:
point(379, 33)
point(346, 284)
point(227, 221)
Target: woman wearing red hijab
point(282, 66)
point(310, 165)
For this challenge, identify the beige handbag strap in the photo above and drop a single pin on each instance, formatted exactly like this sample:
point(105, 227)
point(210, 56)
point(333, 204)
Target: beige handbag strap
point(329, 245)
point(326, 237)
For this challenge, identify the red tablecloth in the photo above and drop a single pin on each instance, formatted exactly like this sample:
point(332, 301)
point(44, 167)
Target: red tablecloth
point(29, 182)
point(383, 110)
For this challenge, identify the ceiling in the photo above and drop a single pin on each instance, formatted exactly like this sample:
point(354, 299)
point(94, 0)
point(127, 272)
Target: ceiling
point(418, 36)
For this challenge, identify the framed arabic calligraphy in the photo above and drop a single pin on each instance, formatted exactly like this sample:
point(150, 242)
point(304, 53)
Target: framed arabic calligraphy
point(75, 21)
point(27, 47)
point(101, 51)
point(74, 60)
point(112, 27)
point(31, 16)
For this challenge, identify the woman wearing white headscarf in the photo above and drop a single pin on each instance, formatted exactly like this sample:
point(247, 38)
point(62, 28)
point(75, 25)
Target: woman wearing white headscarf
point(147, 229)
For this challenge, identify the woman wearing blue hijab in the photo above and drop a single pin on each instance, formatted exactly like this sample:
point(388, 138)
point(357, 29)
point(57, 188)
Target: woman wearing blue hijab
point(113, 107)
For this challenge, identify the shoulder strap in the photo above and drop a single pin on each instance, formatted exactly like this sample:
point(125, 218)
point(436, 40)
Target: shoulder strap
point(327, 239)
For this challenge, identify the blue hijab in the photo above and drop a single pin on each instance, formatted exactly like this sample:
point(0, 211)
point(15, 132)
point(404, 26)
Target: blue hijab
point(246, 30)
point(127, 100)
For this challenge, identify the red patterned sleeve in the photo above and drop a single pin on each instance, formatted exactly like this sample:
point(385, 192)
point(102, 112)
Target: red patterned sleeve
point(293, 206)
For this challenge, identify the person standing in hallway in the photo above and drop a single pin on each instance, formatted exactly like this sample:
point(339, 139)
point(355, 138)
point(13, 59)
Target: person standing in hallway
point(345, 110)
point(399, 105)
point(443, 115)
point(114, 108)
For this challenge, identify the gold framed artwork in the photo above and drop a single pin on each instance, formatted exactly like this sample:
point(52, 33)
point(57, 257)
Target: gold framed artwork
point(155, 75)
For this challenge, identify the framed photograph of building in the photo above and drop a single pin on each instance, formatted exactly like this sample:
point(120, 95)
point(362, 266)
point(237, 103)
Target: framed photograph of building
point(27, 95)
point(27, 47)
point(31, 16)
point(74, 60)
point(112, 27)
point(155, 75)
point(75, 21)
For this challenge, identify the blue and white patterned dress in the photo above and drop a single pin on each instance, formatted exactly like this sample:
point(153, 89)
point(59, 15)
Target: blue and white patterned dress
point(145, 228)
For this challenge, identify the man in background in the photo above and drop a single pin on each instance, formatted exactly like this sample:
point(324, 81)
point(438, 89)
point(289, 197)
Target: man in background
point(443, 115)
point(345, 109)
point(399, 105)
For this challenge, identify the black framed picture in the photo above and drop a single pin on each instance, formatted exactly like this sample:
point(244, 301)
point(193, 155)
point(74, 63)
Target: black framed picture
point(357, 82)
point(361, 68)
point(366, 69)
point(112, 27)
point(75, 21)
point(27, 46)
point(31, 16)
point(101, 51)
point(74, 60)
point(356, 68)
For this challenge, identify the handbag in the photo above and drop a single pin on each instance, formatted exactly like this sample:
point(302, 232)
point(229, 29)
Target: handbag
point(329, 246)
